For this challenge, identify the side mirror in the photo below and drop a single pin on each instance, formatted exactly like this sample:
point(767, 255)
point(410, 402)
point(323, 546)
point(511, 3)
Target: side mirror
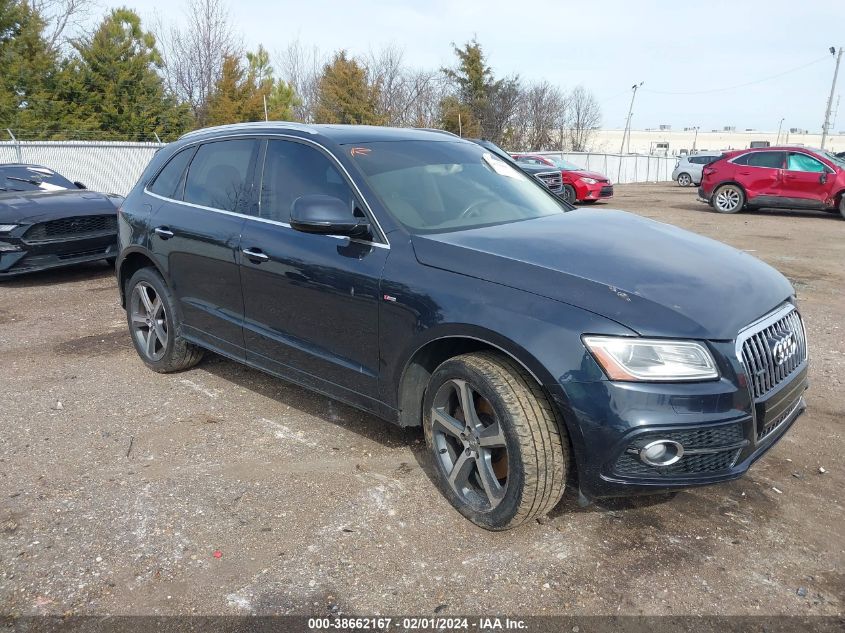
point(327, 215)
point(823, 178)
point(79, 185)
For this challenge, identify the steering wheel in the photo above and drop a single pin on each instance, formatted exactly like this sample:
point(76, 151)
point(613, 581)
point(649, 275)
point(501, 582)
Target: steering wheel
point(472, 210)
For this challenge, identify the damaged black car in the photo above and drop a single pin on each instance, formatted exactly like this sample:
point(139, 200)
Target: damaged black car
point(48, 221)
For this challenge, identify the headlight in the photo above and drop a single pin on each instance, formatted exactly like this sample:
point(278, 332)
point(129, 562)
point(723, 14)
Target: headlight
point(5, 228)
point(640, 359)
point(589, 181)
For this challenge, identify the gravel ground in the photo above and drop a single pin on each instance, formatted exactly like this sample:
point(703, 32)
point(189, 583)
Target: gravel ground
point(221, 490)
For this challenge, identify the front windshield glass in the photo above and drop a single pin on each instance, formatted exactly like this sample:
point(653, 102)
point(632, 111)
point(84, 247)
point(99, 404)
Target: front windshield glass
point(32, 178)
point(833, 158)
point(437, 186)
point(565, 164)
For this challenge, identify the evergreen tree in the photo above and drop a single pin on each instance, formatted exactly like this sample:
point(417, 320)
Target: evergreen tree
point(29, 69)
point(344, 95)
point(114, 83)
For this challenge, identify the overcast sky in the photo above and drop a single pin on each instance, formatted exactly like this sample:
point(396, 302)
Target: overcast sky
point(682, 46)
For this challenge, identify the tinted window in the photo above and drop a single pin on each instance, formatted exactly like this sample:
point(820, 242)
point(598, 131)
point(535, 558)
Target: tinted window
point(762, 159)
point(218, 175)
point(32, 178)
point(434, 186)
point(803, 162)
point(292, 170)
point(169, 178)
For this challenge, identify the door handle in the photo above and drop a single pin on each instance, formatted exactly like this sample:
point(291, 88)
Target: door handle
point(255, 255)
point(163, 232)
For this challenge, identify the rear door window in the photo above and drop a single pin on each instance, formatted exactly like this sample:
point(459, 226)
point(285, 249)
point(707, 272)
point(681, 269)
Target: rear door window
point(772, 160)
point(169, 179)
point(219, 175)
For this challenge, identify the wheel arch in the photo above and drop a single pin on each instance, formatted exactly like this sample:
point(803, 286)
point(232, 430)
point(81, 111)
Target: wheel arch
point(731, 182)
point(131, 262)
point(422, 362)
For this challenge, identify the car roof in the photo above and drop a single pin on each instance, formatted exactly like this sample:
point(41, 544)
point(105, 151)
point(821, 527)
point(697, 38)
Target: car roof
point(337, 133)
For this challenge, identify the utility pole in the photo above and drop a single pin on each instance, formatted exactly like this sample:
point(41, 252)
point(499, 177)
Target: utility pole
point(695, 139)
point(830, 98)
point(266, 118)
point(627, 132)
point(780, 126)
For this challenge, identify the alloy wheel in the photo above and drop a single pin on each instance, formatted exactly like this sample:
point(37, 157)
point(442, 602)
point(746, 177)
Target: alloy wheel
point(470, 445)
point(728, 199)
point(149, 321)
point(569, 195)
point(684, 180)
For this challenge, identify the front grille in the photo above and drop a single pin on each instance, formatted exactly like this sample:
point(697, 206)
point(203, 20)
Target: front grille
point(606, 191)
point(728, 437)
point(72, 228)
point(552, 179)
point(773, 352)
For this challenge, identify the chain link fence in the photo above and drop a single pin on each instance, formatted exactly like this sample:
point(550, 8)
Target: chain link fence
point(114, 167)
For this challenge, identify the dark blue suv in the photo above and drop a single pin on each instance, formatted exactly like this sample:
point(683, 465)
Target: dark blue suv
point(427, 280)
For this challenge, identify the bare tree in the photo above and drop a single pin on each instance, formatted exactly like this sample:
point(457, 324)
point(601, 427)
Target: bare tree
point(63, 18)
point(584, 116)
point(537, 122)
point(193, 52)
point(301, 68)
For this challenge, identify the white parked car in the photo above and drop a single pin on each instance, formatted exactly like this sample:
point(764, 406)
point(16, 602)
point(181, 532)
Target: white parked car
point(688, 169)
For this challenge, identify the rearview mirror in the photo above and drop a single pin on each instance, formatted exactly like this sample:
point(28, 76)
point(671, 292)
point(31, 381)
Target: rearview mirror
point(327, 215)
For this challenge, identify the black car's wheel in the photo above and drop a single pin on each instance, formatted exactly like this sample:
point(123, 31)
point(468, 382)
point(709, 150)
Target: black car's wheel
point(153, 324)
point(568, 194)
point(684, 180)
point(500, 452)
point(728, 198)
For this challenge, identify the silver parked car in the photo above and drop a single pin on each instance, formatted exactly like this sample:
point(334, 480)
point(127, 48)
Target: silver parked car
point(688, 170)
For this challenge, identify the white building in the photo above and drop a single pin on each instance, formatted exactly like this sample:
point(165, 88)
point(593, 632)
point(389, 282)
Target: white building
point(669, 142)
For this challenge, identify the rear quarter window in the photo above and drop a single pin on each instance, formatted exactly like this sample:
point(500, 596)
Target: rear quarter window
point(168, 180)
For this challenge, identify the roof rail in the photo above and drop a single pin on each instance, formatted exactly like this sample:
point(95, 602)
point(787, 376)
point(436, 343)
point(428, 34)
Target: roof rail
point(288, 125)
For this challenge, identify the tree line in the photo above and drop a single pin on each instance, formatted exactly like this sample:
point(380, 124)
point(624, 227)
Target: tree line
point(124, 80)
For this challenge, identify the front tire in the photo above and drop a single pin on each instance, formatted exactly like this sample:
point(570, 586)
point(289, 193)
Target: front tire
point(153, 324)
point(569, 194)
point(684, 180)
point(728, 198)
point(499, 448)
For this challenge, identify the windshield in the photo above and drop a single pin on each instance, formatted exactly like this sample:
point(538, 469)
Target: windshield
point(32, 178)
point(437, 186)
point(565, 164)
point(833, 158)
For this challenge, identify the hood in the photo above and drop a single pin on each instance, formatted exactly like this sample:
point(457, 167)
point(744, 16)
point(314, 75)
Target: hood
point(583, 173)
point(25, 207)
point(653, 278)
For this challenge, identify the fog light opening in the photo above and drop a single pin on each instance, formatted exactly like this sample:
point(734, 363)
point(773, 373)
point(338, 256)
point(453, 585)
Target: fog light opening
point(661, 453)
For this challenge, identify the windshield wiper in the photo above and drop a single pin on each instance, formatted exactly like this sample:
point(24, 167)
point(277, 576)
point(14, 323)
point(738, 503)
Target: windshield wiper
point(29, 181)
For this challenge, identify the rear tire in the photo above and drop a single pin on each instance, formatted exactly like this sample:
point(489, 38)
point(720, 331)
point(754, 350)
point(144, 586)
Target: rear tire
point(728, 198)
point(154, 324)
point(506, 461)
point(684, 180)
point(842, 206)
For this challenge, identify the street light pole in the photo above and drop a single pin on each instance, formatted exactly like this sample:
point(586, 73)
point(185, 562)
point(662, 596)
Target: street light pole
point(695, 139)
point(627, 132)
point(830, 98)
point(780, 126)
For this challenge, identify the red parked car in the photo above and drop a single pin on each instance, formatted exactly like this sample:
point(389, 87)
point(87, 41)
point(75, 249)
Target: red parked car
point(775, 177)
point(579, 185)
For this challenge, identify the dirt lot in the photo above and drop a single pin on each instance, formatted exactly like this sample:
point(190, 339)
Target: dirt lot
point(118, 485)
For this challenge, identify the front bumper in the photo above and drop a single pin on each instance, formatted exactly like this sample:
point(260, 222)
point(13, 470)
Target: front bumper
point(722, 431)
point(598, 191)
point(32, 257)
